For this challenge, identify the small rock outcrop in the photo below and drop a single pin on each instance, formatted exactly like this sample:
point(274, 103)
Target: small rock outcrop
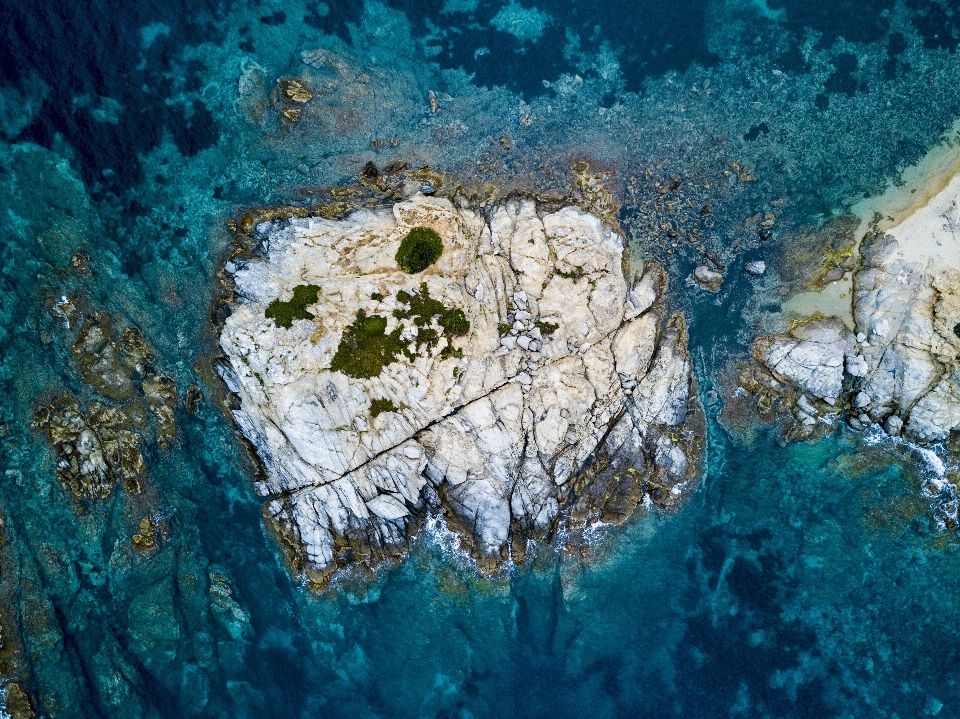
point(907, 308)
point(811, 356)
point(518, 379)
point(708, 279)
point(755, 268)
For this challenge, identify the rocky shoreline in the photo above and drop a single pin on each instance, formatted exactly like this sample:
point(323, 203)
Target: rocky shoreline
point(899, 366)
point(520, 380)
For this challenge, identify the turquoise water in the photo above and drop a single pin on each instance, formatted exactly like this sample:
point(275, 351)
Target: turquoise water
point(805, 580)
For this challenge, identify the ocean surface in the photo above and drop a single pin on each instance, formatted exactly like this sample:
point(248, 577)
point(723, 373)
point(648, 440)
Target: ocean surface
point(799, 580)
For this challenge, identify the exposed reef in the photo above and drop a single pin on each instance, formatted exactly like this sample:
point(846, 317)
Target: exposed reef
point(515, 381)
point(103, 444)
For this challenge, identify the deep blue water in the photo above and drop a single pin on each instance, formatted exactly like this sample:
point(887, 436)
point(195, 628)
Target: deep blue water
point(809, 580)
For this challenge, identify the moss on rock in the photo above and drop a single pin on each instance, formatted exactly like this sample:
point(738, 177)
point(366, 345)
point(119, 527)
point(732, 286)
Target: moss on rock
point(380, 405)
point(284, 313)
point(418, 250)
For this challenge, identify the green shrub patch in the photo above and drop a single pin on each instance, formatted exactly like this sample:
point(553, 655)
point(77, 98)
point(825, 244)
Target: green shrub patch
point(366, 348)
point(284, 313)
point(418, 250)
point(423, 308)
point(381, 405)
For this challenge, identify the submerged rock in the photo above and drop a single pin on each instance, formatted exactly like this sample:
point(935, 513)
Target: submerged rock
point(518, 376)
point(755, 268)
point(95, 449)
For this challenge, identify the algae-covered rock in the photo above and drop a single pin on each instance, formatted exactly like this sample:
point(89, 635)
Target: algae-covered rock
point(516, 375)
point(95, 449)
point(102, 444)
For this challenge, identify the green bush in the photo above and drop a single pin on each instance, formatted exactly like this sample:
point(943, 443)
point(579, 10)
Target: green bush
point(380, 405)
point(418, 250)
point(423, 308)
point(366, 347)
point(454, 322)
point(284, 313)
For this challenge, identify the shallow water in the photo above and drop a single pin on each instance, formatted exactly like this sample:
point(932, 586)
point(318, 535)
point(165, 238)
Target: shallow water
point(806, 580)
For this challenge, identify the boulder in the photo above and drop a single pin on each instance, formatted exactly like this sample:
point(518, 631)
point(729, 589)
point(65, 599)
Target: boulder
point(709, 280)
point(810, 356)
point(755, 268)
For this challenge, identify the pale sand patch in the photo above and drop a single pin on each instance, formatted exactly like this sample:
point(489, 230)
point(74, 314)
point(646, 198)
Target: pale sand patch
point(930, 235)
point(834, 300)
point(920, 211)
point(919, 184)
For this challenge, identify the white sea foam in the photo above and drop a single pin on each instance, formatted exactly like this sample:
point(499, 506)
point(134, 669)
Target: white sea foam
point(438, 534)
point(936, 487)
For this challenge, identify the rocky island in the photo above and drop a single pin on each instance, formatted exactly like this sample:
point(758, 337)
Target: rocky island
point(497, 365)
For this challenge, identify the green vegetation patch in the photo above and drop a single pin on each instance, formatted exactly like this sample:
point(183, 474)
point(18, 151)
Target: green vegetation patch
point(380, 405)
point(284, 313)
point(366, 347)
point(574, 274)
point(504, 327)
point(418, 250)
point(546, 328)
point(423, 308)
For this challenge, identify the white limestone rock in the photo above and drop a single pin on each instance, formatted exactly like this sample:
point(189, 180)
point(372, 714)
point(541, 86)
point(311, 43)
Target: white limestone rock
point(907, 307)
point(811, 356)
point(497, 438)
point(903, 362)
